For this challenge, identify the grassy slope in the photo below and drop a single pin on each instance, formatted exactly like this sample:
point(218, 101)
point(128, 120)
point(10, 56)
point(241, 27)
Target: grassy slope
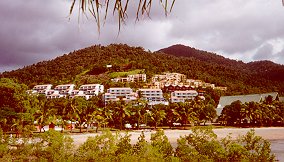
point(124, 74)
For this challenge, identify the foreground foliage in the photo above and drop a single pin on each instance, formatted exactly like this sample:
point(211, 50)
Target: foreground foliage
point(200, 145)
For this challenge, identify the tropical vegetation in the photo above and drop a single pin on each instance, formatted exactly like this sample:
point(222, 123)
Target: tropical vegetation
point(200, 145)
point(266, 113)
point(21, 111)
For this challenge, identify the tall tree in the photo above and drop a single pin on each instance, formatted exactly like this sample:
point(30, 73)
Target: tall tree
point(172, 114)
point(80, 107)
point(186, 113)
point(121, 111)
point(157, 114)
point(15, 106)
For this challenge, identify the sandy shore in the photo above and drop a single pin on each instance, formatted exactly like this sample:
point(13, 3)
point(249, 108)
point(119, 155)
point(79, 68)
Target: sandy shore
point(271, 133)
point(274, 134)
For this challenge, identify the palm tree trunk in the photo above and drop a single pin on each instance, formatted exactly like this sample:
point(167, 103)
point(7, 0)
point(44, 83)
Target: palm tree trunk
point(71, 127)
point(62, 126)
point(97, 128)
point(138, 123)
point(80, 125)
point(120, 124)
point(39, 128)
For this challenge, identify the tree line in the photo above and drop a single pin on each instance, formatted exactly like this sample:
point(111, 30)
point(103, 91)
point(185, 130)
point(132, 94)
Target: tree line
point(21, 111)
point(266, 113)
point(200, 145)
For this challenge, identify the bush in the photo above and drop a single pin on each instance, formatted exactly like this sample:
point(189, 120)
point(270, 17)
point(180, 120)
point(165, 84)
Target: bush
point(200, 145)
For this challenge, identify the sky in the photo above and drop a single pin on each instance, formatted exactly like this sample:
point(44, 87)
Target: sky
point(247, 30)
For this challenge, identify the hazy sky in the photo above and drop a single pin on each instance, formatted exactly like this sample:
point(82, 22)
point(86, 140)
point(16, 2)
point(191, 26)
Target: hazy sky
point(248, 30)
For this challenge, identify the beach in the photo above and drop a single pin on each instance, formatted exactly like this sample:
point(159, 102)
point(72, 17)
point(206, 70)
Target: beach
point(274, 134)
point(269, 133)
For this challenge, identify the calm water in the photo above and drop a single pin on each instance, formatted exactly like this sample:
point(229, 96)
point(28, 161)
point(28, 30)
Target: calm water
point(277, 147)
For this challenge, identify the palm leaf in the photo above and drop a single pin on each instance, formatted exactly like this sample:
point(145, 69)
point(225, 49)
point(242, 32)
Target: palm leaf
point(94, 6)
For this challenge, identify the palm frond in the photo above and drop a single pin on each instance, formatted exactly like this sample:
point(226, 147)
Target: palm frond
point(119, 8)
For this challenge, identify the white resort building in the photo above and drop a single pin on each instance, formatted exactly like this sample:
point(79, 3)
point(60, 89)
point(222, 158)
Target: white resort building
point(182, 96)
point(41, 89)
point(119, 93)
point(153, 96)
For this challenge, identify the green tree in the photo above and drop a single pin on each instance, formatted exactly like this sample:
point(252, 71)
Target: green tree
point(98, 148)
point(157, 114)
point(203, 145)
point(80, 106)
point(15, 106)
point(172, 114)
point(121, 111)
point(53, 146)
point(231, 114)
point(138, 110)
point(186, 113)
point(160, 141)
point(41, 112)
point(208, 113)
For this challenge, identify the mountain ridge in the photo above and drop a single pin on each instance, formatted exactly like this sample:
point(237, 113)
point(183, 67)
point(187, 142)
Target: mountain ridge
point(76, 66)
point(267, 67)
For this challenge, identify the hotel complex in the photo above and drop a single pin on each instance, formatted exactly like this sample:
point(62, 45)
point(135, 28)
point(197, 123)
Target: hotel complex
point(177, 85)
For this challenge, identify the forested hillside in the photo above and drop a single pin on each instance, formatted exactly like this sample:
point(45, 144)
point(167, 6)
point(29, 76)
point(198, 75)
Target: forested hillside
point(89, 66)
point(254, 74)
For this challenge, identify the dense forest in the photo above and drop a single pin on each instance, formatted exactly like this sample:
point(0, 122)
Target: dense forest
point(89, 66)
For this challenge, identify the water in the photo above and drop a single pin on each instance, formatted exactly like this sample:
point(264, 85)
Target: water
point(277, 147)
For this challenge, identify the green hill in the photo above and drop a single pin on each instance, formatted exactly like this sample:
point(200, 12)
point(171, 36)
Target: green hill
point(89, 66)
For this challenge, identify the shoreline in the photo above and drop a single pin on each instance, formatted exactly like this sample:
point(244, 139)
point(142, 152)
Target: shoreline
point(275, 135)
point(268, 133)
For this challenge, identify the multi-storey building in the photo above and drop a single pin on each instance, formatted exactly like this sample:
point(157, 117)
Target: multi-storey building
point(158, 78)
point(131, 78)
point(51, 94)
point(87, 91)
point(67, 90)
point(64, 90)
point(41, 89)
point(208, 85)
point(137, 78)
point(110, 97)
point(153, 96)
point(92, 89)
point(182, 96)
point(159, 81)
point(176, 77)
point(172, 88)
point(119, 93)
point(120, 79)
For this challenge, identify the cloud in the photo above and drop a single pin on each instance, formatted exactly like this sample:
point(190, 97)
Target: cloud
point(229, 26)
point(280, 57)
point(33, 30)
point(264, 52)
